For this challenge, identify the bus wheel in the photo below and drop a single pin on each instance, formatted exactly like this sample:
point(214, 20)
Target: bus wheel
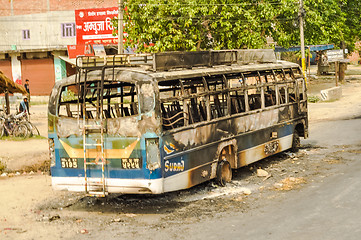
point(296, 142)
point(224, 173)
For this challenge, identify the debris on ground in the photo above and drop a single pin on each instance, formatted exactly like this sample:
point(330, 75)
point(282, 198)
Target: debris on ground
point(55, 217)
point(238, 199)
point(247, 191)
point(262, 173)
point(289, 183)
point(332, 161)
point(130, 215)
point(290, 154)
point(118, 220)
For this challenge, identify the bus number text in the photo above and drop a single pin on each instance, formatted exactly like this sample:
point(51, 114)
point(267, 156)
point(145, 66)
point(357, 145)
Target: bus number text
point(69, 163)
point(130, 163)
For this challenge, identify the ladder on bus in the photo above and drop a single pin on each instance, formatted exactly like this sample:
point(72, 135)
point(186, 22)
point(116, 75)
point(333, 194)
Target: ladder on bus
point(94, 186)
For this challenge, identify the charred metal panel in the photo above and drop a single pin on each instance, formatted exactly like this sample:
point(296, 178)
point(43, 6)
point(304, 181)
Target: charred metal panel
point(66, 127)
point(285, 113)
point(131, 127)
point(172, 60)
point(126, 126)
point(256, 121)
point(225, 57)
point(248, 56)
point(250, 155)
point(51, 123)
point(199, 175)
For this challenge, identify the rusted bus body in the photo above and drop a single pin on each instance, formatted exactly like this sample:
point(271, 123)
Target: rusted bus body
point(239, 130)
point(184, 125)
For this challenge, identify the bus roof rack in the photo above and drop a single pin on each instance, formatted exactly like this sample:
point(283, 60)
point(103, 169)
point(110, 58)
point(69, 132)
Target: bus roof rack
point(165, 61)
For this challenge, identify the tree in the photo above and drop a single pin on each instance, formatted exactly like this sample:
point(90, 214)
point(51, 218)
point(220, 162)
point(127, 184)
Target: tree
point(168, 25)
point(352, 29)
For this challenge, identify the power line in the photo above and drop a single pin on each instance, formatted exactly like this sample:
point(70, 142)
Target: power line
point(160, 4)
point(169, 17)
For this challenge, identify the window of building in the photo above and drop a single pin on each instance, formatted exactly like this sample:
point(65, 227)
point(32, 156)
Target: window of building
point(26, 34)
point(68, 29)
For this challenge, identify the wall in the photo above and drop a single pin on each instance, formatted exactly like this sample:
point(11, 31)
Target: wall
point(20, 7)
point(5, 67)
point(40, 73)
point(45, 31)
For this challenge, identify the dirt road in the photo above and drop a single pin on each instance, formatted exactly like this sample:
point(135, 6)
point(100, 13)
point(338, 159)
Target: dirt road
point(30, 209)
point(28, 154)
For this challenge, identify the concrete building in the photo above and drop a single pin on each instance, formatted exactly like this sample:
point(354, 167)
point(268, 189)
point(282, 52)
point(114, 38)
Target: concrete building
point(33, 36)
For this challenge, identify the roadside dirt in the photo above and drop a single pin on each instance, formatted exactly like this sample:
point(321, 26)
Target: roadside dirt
point(30, 209)
point(29, 154)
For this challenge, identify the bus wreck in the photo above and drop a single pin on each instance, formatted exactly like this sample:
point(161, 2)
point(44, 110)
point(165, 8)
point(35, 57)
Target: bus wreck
point(169, 121)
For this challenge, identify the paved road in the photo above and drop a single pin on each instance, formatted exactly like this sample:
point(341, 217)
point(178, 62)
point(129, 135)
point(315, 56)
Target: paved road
point(330, 209)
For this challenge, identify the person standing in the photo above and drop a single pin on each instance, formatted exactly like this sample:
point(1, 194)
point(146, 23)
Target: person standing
point(27, 88)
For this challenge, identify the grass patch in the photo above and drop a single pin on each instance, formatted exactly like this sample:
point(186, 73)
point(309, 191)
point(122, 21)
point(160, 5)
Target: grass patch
point(11, 138)
point(38, 137)
point(43, 167)
point(313, 99)
point(33, 103)
point(353, 72)
point(333, 100)
point(2, 167)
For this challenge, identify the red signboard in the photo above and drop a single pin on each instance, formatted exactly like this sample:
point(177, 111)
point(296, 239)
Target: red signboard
point(93, 26)
point(80, 50)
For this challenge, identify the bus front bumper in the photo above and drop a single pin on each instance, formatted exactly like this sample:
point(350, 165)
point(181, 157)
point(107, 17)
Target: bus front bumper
point(112, 185)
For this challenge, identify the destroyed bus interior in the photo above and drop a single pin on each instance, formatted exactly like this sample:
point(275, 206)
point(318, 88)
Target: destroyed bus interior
point(188, 101)
point(120, 99)
point(155, 123)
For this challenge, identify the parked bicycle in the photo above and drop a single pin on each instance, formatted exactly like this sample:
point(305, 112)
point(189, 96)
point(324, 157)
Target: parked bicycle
point(33, 130)
point(13, 125)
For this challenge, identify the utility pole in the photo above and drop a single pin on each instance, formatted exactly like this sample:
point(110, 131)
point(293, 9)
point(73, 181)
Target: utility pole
point(12, 7)
point(300, 15)
point(120, 26)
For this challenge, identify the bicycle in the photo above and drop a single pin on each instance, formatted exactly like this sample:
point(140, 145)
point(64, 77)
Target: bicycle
point(33, 130)
point(12, 126)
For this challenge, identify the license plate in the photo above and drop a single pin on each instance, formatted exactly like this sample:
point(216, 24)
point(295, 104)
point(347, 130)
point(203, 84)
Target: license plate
point(69, 163)
point(130, 163)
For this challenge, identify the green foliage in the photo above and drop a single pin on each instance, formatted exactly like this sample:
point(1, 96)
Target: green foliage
point(68, 95)
point(170, 25)
point(2, 167)
point(313, 99)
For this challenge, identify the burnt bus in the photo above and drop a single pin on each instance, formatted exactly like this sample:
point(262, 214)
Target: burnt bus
point(168, 121)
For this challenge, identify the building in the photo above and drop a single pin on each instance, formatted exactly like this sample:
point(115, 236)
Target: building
point(34, 37)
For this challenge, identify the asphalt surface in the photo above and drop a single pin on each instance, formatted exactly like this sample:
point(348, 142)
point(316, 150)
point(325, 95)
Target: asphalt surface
point(329, 209)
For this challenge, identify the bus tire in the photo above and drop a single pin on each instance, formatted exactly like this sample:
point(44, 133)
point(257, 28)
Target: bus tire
point(224, 173)
point(296, 142)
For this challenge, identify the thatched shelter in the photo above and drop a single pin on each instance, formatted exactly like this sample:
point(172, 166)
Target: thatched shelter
point(8, 86)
